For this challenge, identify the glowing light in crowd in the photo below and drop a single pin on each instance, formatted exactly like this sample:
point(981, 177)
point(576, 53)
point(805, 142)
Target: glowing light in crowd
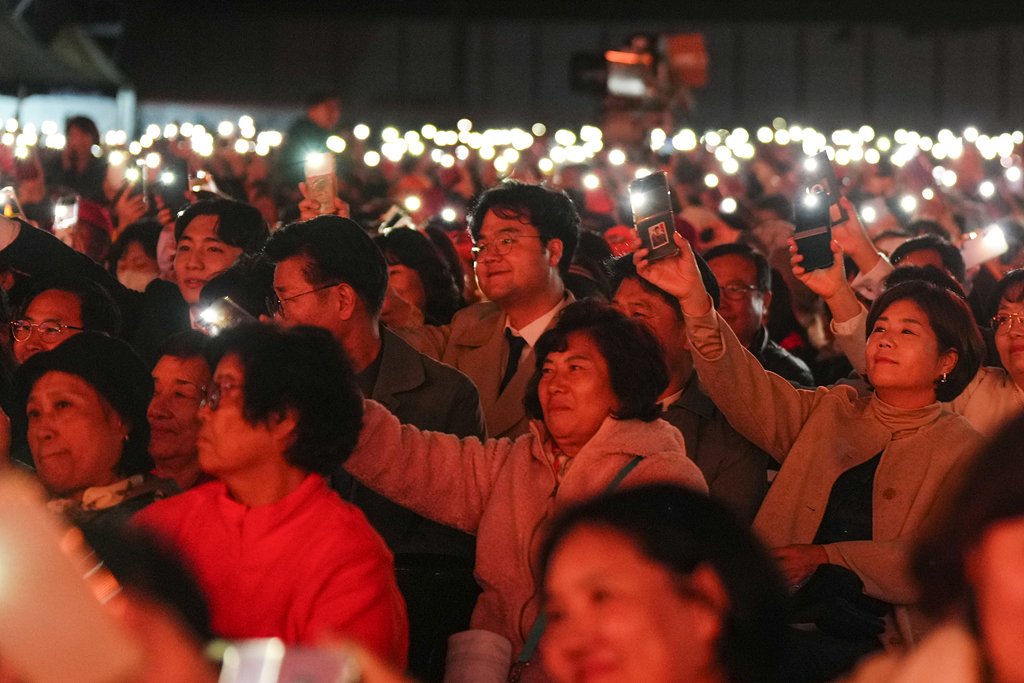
point(500, 165)
point(170, 130)
point(866, 133)
point(711, 180)
point(413, 203)
point(447, 160)
point(21, 152)
point(730, 166)
point(925, 143)
point(868, 214)
point(908, 203)
point(7, 139)
point(55, 141)
point(134, 148)
point(712, 138)
point(449, 214)
point(146, 141)
point(765, 134)
point(241, 146)
point(132, 174)
point(546, 165)
point(166, 177)
point(723, 153)
point(642, 173)
point(685, 140)
point(464, 125)
point(225, 128)
point(779, 123)
point(591, 181)
point(796, 133)
point(336, 144)
point(928, 194)
point(590, 133)
point(565, 137)
point(152, 160)
point(245, 122)
point(361, 131)
point(782, 137)
point(49, 128)
point(539, 129)
point(116, 158)
point(810, 201)
point(948, 178)
point(371, 158)
point(884, 144)
point(1013, 174)
point(186, 129)
point(842, 157)
point(728, 205)
point(557, 154)
point(616, 157)
point(970, 134)
point(12, 125)
point(389, 134)
point(487, 153)
point(986, 189)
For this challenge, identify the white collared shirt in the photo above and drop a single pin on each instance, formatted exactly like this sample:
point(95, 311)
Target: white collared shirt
point(532, 332)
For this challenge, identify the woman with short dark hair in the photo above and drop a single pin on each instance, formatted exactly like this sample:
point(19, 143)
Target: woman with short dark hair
point(276, 551)
point(660, 584)
point(593, 396)
point(859, 474)
point(418, 274)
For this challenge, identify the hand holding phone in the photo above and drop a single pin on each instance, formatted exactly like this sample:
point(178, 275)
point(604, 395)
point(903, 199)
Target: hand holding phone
point(652, 215)
point(321, 181)
point(819, 175)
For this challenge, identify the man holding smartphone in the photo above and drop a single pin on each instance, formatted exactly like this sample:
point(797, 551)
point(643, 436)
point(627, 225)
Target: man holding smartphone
point(525, 238)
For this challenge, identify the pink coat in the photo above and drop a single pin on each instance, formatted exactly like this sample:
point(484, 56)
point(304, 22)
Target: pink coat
point(505, 492)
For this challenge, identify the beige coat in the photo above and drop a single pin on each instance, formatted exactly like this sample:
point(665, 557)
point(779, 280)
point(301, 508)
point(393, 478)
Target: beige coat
point(818, 435)
point(474, 343)
point(950, 654)
point(505, 492)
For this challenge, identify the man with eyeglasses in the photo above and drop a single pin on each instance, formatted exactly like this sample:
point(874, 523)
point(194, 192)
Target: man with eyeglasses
point(745, 279)
point(330, 274)
point(526, 237)
point(57, 309)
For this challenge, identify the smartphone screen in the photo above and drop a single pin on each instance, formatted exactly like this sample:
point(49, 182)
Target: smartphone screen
point(986, 245)
point(321, 182)
point(652, 215)
point(813, 231)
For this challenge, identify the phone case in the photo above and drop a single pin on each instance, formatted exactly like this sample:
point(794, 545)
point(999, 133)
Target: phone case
point(652, 215)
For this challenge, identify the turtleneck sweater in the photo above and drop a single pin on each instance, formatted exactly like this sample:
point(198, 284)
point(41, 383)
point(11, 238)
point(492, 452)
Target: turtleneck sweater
point(817, 435)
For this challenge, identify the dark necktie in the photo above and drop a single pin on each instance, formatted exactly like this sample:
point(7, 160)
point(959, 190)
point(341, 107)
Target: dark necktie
point(516, 344)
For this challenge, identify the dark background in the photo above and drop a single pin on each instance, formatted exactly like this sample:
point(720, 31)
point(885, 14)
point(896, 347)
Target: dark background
point(922, 64)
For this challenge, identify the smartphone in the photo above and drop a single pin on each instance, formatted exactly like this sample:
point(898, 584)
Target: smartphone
point(221, 315)
point(819, 175)
point(53, 627)
point(652, 215)
point(395, 217)
point(321, 181)
point(9, 203)
point(203, 185)
point(984, 246)
point(269, 661)
point(813, 230)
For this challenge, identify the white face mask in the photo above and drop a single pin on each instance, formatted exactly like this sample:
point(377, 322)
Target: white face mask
point(136, 279)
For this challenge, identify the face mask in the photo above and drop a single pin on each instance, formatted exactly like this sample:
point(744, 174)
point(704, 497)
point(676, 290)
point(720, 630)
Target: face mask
point(136, 279)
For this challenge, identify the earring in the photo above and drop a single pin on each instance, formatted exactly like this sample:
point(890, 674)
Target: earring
point(942, 380)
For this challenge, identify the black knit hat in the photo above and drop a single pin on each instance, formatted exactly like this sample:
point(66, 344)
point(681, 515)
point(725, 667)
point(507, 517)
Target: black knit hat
point(115, 371)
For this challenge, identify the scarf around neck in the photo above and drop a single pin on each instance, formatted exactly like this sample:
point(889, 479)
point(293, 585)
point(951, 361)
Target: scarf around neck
point(904, 421)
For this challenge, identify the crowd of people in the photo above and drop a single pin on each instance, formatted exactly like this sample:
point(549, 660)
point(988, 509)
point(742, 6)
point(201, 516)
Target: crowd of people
point(503, 443)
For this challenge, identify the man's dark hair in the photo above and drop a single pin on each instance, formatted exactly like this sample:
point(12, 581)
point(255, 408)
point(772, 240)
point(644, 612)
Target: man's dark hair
point(623, 268)
point(84, 124)
point(991, 490)
point(950, 255)
point(1010, 288)
point(304, 369)
point(636, 369)
point(145, 232)
point(951, 321)
point(145, 567)
point(925, 226)
point(413, 249)
point(185, 345)
point(927, 273)
point(238, 224)
point(99, 311)
point(756, 258)
point(681, 530)
point(337, 250)
point(321, 95)
point(551, 212)
point(249, 282)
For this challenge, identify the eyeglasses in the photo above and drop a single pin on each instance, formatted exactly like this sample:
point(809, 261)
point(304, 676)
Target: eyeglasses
point(737, 292)
point(500, 247)
point(48, 331)
point(1003, 323)
point(275, 305)
point(216, 391)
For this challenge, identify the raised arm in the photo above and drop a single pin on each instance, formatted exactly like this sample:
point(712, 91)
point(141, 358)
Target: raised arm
point(762, 406)
point(440, 476)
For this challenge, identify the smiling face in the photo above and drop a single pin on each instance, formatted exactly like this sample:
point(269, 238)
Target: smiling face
point(51, 306)
point(1010, 340)
point(615, 616)
point(530, 268)
point(744, 309)
point(657, 315)
point(575, 393)
point(173, 413)
point(201, 256)
point(903, 358)
point(74, 434)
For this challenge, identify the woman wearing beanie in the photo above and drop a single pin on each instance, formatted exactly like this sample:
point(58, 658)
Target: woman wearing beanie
point(85, 405)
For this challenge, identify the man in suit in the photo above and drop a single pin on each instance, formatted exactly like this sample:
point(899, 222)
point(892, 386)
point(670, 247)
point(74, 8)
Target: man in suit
point(525, 237)
point(330, 274)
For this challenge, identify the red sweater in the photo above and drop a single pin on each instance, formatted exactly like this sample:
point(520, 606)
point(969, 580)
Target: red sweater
point(306, 566)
